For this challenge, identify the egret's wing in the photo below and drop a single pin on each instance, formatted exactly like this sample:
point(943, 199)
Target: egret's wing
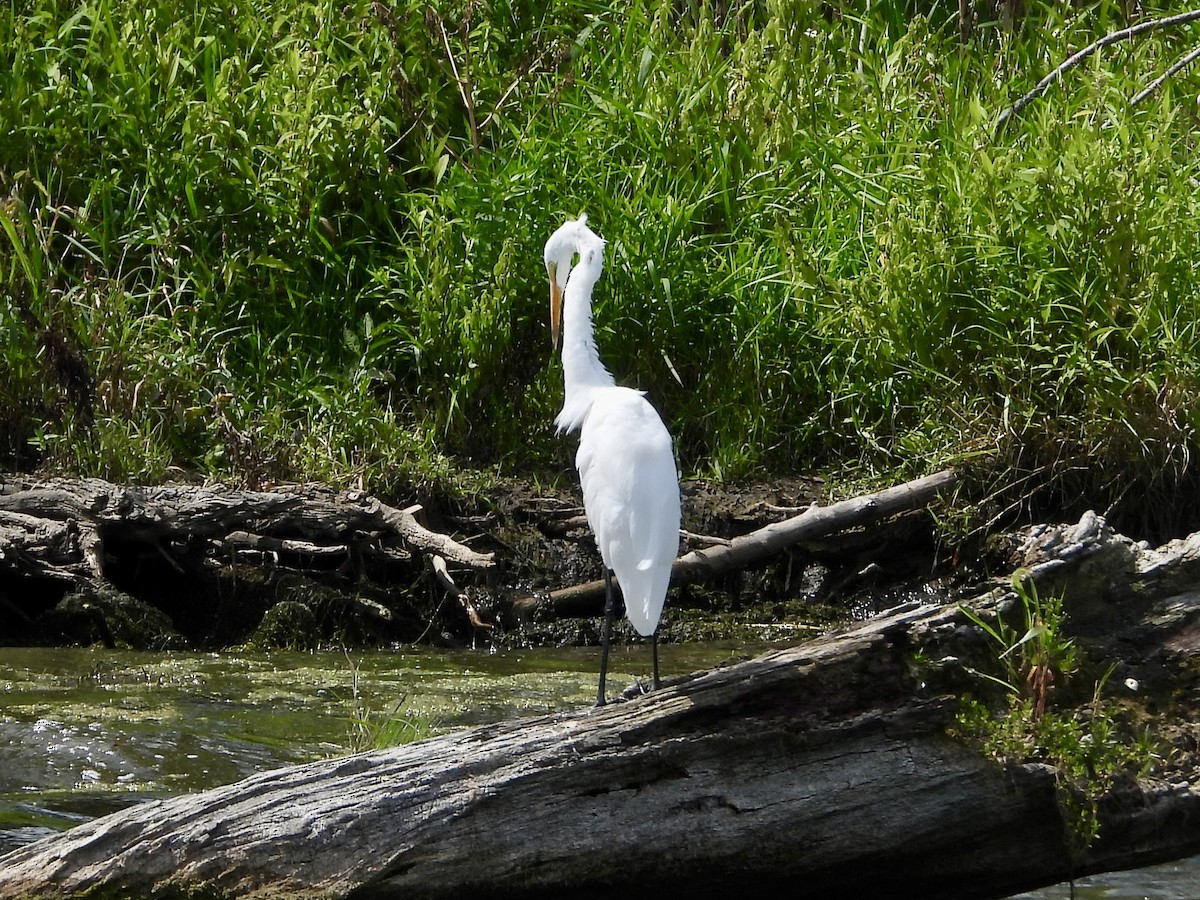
point(631, 495)
point(654, 504)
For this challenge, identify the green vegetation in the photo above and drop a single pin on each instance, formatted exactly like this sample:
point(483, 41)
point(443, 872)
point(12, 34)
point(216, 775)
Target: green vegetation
point(1091, 746)
point(373, 730)
point(1039, 656)
point(300, 238)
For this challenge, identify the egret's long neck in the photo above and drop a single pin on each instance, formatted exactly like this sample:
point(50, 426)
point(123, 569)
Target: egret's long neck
point(582, 370)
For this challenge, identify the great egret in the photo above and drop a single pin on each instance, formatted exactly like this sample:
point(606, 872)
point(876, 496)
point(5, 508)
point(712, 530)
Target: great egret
point(625, 462)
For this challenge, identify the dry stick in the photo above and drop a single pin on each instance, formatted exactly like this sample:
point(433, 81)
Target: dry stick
point(239, 539)
point(1153, 86)
point(816, 520)
point(1075, 59)
point(462, 596)
point(708, 540)
point(406, 525)
point(579, 600)
point(467, 91)
point(512, 87)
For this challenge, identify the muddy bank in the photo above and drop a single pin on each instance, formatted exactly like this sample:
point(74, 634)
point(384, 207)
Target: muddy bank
point(183, 592)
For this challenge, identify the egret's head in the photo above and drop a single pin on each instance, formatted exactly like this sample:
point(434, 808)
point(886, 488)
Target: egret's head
point(571, 245)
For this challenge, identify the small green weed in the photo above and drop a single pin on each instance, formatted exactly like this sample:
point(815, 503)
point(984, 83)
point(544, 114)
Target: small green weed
point(1037, 657)
point(1088, 746)
point(371, 730)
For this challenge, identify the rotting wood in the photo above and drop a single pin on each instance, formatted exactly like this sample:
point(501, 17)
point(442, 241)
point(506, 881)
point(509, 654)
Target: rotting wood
point(747, 550)
point(45, 548)
point(826, 765)
point(58, 521)
point(60, 537)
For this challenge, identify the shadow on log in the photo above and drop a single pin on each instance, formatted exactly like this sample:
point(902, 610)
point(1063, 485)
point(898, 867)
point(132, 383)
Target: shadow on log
point(829, 766)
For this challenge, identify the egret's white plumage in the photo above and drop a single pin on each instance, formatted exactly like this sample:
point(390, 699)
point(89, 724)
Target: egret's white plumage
point(626, 465)
point(631, 495)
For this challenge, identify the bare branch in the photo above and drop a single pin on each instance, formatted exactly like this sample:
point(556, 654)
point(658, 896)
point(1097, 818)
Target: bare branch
point(463, 597)
point(1158, 82)
point(1075, 59)
point(707, 540)
point(464, 85)
point(236, 540)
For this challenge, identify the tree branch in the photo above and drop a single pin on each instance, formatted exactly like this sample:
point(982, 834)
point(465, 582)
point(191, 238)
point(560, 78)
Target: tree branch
point(765, 542)
point(1075, 59)
point(1158, 82)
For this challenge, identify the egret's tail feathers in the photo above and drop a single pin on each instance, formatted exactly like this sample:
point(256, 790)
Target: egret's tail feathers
point(645, 590)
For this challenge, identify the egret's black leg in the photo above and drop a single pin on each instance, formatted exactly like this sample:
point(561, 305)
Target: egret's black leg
point(606, 634)
point(654, 656)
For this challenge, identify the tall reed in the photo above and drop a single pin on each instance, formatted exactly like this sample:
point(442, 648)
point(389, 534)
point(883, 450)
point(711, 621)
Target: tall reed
point(304, 237)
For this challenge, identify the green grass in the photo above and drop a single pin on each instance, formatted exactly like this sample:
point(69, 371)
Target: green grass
point(374, 729)
point(277, 241)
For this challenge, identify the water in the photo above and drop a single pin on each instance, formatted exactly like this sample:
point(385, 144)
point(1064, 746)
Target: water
point(84, 732)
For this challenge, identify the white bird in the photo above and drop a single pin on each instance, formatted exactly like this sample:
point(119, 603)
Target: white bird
point(626, 465)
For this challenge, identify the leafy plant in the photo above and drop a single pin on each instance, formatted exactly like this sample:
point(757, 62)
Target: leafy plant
point(1037, 657)
point(1089, 747)
point(299, 212)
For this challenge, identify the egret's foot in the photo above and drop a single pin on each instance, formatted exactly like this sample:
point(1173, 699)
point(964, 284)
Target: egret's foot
point(635, 690)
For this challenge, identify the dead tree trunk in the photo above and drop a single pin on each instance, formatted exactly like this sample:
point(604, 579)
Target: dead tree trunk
point(75, 515)
point(831, 766)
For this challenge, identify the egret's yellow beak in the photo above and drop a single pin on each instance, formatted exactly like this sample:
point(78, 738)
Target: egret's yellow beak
point(555, 303)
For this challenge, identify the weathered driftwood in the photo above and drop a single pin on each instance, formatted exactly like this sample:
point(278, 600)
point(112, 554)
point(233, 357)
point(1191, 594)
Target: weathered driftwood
point(747, 550)
point(825, 768)
point(96, 561)
point(58, 528)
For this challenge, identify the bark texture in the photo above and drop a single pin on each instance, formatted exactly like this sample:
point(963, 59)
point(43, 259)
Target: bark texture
point(74, 517)
point(85, 561)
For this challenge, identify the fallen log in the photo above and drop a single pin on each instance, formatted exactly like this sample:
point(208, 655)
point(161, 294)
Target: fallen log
point(90, 536)
point(158, 513)
point(747, 550)
point(832, 765)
